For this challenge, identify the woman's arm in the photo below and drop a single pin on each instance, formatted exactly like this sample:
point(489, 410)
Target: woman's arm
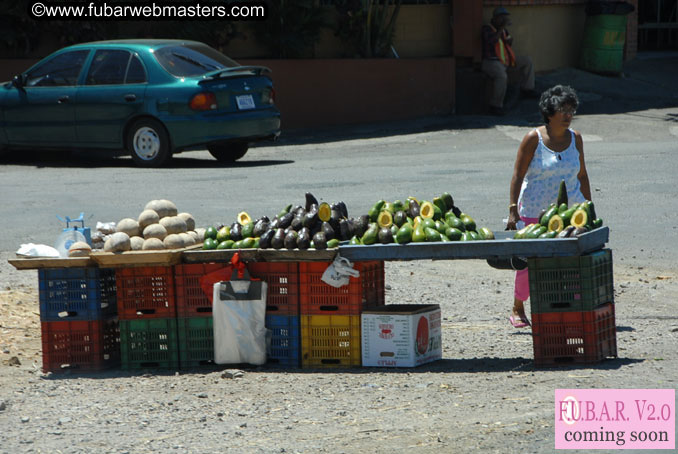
point(525, 154)
point(583, 176)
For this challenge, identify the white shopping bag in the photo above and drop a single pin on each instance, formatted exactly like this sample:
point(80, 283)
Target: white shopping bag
point(339, 272)
point(239, 312)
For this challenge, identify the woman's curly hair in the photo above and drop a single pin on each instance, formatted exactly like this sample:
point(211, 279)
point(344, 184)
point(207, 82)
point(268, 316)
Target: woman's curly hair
point(555, 98)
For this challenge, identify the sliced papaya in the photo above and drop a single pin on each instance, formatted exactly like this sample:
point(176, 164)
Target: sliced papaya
point(324, 212)
point(579, 218)
point(556, 223)
point(426, 210)
point(385, 219)
point(243, 218)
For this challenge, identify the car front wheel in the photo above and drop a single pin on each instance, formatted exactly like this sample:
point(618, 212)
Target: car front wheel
point(228, 152)
point(148, 143)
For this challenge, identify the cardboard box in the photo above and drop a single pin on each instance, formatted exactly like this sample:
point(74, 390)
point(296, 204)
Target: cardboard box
point(401, 335)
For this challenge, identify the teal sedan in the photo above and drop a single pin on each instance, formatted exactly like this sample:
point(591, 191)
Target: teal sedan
point(150, 98)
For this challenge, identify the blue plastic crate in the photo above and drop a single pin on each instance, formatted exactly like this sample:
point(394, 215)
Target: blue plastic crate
point(77, 294)
point(285, 347)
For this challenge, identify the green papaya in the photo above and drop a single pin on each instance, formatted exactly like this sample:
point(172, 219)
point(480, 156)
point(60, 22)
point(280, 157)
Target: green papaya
point(562, 194)
point(431, 234)
point(418, 235)
point(453, 234)
point(404, 234)
point(373, 213)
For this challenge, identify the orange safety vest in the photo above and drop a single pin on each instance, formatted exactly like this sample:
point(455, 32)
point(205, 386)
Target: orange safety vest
point(504, 51)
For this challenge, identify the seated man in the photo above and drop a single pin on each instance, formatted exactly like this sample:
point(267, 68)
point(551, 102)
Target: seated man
point(501, 64)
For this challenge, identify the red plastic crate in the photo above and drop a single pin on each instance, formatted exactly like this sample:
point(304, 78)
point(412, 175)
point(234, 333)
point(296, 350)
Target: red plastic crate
point(282, 295)
point(190, 297)
point(146, 292)
point(318, 298)
point(562, 338)
point(81, 345)
point(282, 279)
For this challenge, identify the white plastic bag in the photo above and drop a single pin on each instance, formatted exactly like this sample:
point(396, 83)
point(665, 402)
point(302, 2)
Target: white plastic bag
point(239, 313)
point(37, 250)
point(339, 272)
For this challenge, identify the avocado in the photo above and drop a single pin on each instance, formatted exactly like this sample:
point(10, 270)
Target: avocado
point(259, 228)
point(448, 200)
point(375, 210)
point(431, 234)
point(413, 208)
point(343, 209)
point(209, 243)
point(385, 236)
point(344, 230)
point(248, 243)
point(400, 218)
point(290, 241)
point(370, 235)
point(418, 234)
point(331, 244)
point(278, 239)
point(404, 234)
point(328, 231)
point(304, 239)
point(310, 219)
point(285, 210)
point(562, 194)
point(226, 244)
point(310, 200)
point(236, 231)
point(286, 220)
point(265, 239)
point(297, 223)
point(319, 241)
point(453, 233)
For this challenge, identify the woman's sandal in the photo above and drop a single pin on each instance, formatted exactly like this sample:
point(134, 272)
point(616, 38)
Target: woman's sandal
point(519, 321)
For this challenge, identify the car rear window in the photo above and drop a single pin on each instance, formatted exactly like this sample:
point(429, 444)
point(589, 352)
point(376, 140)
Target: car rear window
point(192, 60)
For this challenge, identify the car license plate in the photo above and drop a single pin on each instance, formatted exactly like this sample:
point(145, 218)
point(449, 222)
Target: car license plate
point(245, 102)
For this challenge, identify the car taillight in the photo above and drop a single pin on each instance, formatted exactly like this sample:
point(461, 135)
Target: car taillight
point(203, 101)
point(271, 98)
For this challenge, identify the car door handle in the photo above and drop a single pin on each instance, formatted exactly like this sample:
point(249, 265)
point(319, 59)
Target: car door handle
point(63, 99)
point(130, 97)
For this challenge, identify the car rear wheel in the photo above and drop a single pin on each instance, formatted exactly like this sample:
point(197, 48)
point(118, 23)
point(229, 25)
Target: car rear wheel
point(230, 152)
point(148, 143)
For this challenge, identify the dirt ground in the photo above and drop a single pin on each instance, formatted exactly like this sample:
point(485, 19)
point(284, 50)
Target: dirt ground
point(485, 395)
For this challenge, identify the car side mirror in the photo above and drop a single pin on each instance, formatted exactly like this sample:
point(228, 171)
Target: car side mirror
point(19, 81)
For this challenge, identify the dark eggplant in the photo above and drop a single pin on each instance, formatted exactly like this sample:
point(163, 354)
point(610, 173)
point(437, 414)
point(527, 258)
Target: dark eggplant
point(335, 217)
point(456, 211)
point(298, 210)
point(290, 241)
point(310, 200)
point(566, 232)
point(319, 241)
point(286, 220)
point(278, 239)
point(265, 239)
point(579, 231)
point(361, 224)
point(274, 224)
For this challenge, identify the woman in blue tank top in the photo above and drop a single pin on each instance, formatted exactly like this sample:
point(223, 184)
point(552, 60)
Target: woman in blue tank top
point(547, 155)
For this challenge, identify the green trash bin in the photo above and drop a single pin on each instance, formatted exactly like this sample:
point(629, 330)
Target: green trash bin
point(603, 45)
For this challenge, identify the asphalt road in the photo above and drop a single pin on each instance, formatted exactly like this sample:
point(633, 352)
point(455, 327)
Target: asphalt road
point(630, 158)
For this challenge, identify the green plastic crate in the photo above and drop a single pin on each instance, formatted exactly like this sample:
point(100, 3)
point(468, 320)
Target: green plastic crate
point(196, 341)
point(149, 343)
point(565, 284)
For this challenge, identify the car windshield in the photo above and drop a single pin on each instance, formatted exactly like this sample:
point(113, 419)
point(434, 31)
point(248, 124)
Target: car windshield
point(192, 60)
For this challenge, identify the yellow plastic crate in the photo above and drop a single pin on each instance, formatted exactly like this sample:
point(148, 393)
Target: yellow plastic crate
point(330, 341)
